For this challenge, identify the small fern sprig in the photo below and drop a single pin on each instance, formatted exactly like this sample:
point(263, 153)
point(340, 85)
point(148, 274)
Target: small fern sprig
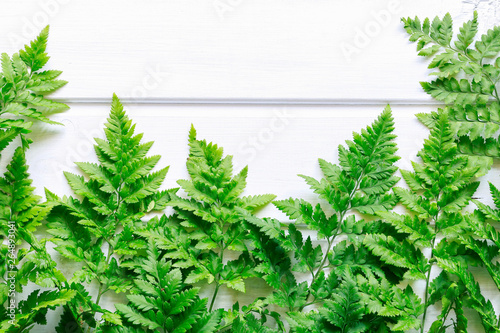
point(484, 239)
point(24, 258)
point(359, 184)
point(23, 87)
point(478, 61)
point(33, 310)
point(21, 213)
point(161, 302)
point(97, 229)
point(439, 188)
point(468, 71)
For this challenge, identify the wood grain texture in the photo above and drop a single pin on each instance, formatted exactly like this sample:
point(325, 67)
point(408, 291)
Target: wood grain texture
point(331, 51)
point(276, 142)
point(278, 84)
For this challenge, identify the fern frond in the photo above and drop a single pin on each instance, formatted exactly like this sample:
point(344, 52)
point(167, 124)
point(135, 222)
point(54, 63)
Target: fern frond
point(255, 202)
point(170, 305)
point(400, 254)
point(22, 87)
point(21, 211)
point(359, 184)
point(213, 220)
point(440, 187)
point(34, 310)
point(34, 55)
point(402, 306)
point(16, 193)
point(119, 191)
point(419, 233)
point(345, 310)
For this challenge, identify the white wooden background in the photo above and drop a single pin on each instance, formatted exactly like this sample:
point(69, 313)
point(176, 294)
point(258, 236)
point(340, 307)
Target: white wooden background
point(277, 83)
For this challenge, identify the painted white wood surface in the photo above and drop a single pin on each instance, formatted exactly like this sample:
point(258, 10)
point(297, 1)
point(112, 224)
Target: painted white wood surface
point(291, 50)
point(270, 81)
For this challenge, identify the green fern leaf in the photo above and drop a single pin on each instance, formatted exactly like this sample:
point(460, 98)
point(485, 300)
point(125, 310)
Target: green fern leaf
point(142, 302)
point(359, 184)
point(256, 201)
point(16, 191)
point(345, 310)
point(120, 190)
point(136, 318)
point(440, 188)
point(22, 87)
point(489, 45)
point(215, 220)
point(34, 56)
point(453, 91)
point(34, 309)
point(144, 188)
point(419, 233)
point(209, 323)
point(398, 254)
point(467, 33)
point(170, 306)
point(7, 69)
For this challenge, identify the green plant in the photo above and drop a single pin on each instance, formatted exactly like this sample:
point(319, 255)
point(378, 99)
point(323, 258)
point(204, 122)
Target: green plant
point(479, 62)
point(97, 230)
point(207, 227)
point(344, 277)
point(161, 302)
point(23, 86)
point(439, 188)
point(353, 274)
point(24, 258)
point(21, 213)
point(468, 73)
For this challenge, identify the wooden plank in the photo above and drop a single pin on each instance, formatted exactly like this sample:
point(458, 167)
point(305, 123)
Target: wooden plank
point(220, 50)
point(276, 142)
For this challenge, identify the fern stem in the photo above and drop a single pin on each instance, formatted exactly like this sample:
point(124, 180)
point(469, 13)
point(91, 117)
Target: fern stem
point(446, 315)
point(427, 280)
point(214, 296)
point(335, 234)
point(108, 259)
point(426, 297)
point(99, 294)
point(320, 268)
point(217, 285)
point(322, 265)
point(480, 63)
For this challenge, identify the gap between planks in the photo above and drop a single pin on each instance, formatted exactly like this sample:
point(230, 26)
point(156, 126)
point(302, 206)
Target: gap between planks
point(263, 102)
